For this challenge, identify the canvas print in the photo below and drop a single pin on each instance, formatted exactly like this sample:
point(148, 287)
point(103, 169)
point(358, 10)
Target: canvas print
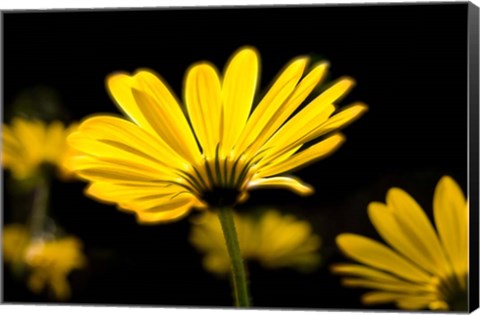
point(316, 157)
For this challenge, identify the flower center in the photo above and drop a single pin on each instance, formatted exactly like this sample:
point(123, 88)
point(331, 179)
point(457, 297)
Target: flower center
point(221, 197)
point(453, 293)
point(220, 181)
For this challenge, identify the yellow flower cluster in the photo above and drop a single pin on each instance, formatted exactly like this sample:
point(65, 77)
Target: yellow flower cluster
point(49, 261)
point(422, 267)
point(27, 144)
point(273, 239)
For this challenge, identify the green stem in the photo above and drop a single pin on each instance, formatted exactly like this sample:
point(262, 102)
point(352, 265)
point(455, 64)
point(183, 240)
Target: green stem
point(242, 299)
point(39, 207)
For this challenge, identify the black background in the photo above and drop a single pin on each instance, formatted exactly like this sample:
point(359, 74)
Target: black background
point(410, 63)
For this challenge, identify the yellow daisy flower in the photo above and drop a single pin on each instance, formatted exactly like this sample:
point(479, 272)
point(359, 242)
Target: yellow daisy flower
point(51, 262)
point(27, 144)
point(273, 239)
point(422, 267)
point(168, 159)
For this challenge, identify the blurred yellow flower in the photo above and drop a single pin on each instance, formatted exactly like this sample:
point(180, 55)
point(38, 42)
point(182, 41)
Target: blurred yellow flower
point(29, 143)
point(15, 238)
point(167, 159)
point(422, 267)
point(273, 239)
point(51, 262)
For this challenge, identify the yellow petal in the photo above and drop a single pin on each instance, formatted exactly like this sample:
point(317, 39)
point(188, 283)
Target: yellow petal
point(54, 142)
point(451, 219)
point(310, 118)
point(278, 104)
point(147, 100)
point(177, 135)
point(31, 136)
point(126, 193)
point(60, 287)
point(315, 107)
point(416, 226)
point(413, 302)
point(384, 221)
point(307, 156)
point(378, 297)
point(207, 234)
point(285, 241)
point(162, 201)
point(204, 104)
point(120, 85)
point(9, 141)
point(125, 135)
point(438, 305)
point(343, 118)
point(163, 216)
point(115, 152)
point(377, 255)
point(11, 150)
point(363, 272)
point(287, 139)
point(217, 263)
point(24, 146)
point(290, 183)
point(116, 171)
point(302, 91)
point(282, 158)
point(15, 237)
point(398, 286)
point(37, 281)
point(239, 86)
